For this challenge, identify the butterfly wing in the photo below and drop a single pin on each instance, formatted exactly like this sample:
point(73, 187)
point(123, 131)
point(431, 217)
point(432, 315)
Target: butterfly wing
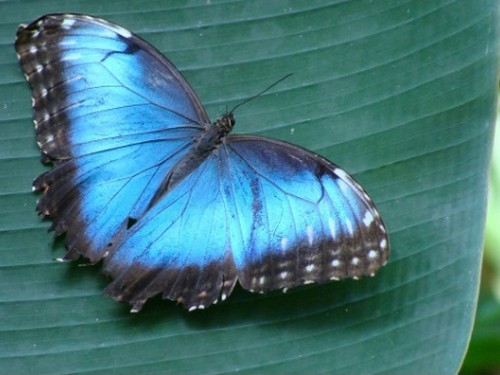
point(268, 213)
point(300, 218)
point(112, 114)
point(180, 248)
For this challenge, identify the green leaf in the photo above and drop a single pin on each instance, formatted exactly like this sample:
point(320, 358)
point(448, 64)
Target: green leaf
point(483, 348)
point(482, 357)
point(399, 93)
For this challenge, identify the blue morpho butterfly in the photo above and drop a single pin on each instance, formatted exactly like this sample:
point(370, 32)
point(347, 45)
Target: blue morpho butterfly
point(171, 202)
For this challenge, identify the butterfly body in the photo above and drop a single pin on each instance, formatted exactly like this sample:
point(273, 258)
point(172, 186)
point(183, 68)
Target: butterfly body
point(173, 203)
point(202, 148)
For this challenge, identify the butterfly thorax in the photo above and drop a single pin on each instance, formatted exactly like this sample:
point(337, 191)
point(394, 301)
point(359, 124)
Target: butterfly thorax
point(214, 134)
point(203, 146)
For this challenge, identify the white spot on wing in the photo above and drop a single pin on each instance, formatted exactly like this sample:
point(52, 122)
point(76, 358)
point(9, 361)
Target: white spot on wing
point(283, 275)
point(73, 56)
point(284, 243)
point(49, 138)
point(372, 254)
point(331, 226)
point(67, 43)
point(368, 218)
point(383, 243)
point(343, 175)
point(262, 280)
point(349, 226)
point(310, 234)
point(355, 261)
point(310, 267)
point(120, 30)
point(335, 263)
point(67, 23)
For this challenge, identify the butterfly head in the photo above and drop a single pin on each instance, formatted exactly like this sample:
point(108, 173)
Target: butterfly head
point(225, 123)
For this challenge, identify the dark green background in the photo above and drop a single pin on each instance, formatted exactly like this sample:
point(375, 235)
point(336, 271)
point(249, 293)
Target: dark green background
point(399, 93)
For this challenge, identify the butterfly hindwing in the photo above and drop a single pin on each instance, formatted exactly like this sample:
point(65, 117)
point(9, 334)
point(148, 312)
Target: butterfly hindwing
point(112, 114)
point(180, 248)
point(268, 213)
point(301, 219)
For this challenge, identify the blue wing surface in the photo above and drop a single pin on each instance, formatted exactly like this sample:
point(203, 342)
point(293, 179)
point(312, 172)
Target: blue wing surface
point(112, 114)
point(266, 212)
point(181, 247)
point(301, 219)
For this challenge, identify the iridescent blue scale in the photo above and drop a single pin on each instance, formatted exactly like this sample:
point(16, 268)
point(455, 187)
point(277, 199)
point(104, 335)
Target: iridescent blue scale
point(172, 202)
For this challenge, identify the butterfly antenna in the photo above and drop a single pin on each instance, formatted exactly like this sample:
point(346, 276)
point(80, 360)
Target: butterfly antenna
point(260, 93)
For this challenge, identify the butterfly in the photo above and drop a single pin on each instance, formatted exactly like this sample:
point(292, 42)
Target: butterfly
point(168, 200)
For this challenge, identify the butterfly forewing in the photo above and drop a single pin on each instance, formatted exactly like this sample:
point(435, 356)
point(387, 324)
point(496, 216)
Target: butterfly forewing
point(114, 116)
